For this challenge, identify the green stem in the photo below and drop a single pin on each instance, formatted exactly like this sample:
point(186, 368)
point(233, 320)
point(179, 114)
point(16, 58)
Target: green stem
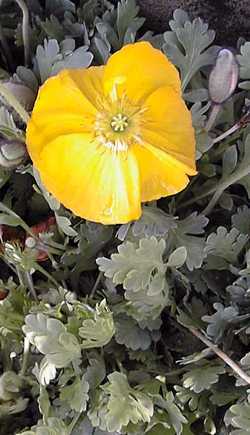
point(219, 189)
point(73, 423)
point(227, 133)
point(198, 197)
point(9, 265)
point(212, 202)
point(47, 274)
point(31, 285)
point(25, 30)
point(14, 103)
point(26, 349)
point(6, 362)
point(22, 224)
point(51, 244)
point(95, 287)
point(240, 173)
point(20, 277)
point(120, 366)
point(212, 116)
point(222, 355)
point(51, 250)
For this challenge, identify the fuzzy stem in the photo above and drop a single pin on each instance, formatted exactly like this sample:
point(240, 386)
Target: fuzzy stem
point(74, 422)
point(232, 179)
point(20, 277)
point(212, 116)
point(243, 122)
point(222, 355)
point(26, 349)
point(218, 189)
point(197, 198)
point(47, 274)
point(31, 285)
point(25, 30)
point(212, 202)
point(14, 103)
point(230, 131)
point(95, 286)
point(22, 224)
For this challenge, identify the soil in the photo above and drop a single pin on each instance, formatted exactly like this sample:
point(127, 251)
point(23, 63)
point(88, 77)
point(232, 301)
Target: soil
point(230, 18)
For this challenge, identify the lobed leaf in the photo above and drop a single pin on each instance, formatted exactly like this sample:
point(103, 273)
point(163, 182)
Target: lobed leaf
point(97, 332)
point(187, 45)
point(200, 379)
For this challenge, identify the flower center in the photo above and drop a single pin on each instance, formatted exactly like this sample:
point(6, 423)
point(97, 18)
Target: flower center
point(119, 122)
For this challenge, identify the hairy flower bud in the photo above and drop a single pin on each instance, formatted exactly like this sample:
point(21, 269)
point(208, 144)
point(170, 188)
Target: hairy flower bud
point(12, 153)
point(39, 248)
point(223, 78)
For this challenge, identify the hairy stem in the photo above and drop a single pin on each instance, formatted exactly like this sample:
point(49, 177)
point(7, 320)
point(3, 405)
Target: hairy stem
point(20, 277)
point(215, 198)
point(73, 423)
point(25, 30)
point(197, 198)
point(212, 116)
point(47, 274)
point(31, 285)
point(95, 286)
point(218, 189)
point(222, 355)
point(227, 133)
point(232, 179)
point(26, 349)
point(22, 224)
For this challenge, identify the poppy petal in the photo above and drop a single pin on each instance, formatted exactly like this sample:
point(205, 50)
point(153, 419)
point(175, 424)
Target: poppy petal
point(94, 182)
point(139, 69)
point(160, 174)
point(65, 104)
point(168, 125)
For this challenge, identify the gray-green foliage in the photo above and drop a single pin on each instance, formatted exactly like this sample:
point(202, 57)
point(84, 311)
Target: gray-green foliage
point(224, 247)
point(52, 57)
point(187, 45)
point(203, 377)
point(51, 339)
point(97, 331)
point(243, 59)
point(137, 267)
point(76, 394)
point(131, 335)
point(108, 413)
point(219, 321)
point(239, 418)
point(116, 28)
point(241, 219)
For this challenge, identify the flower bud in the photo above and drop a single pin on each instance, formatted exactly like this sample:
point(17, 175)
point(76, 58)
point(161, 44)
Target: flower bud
point(39, 248)
point(223, 78)
point(12, 153)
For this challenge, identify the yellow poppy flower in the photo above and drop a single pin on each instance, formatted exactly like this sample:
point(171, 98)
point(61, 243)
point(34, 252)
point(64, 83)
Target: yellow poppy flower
point(107, 138)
